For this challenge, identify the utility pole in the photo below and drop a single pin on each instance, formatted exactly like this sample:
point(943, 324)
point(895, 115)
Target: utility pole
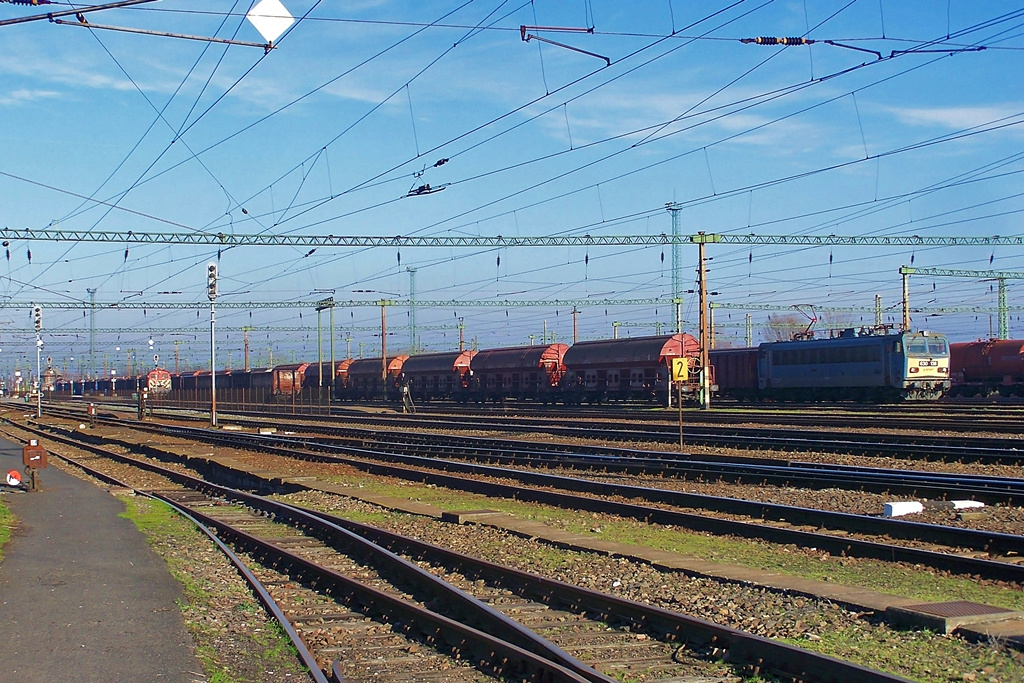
point(1004, 322)
point(750, 332)
point(705, 337)
point(575, 312)
point(412, 310)
point(37, 318)
point(211, 293)
point(245, 346)
point(711, 326)
point(878, 310)
point(906, 300)
point(92, 331)
point(677, 300)
point(384, 347)
point(462, 329)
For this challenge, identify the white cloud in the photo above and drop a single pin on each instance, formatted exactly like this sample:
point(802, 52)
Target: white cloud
point(22, 95)
point(78, 74)
point(954, 118)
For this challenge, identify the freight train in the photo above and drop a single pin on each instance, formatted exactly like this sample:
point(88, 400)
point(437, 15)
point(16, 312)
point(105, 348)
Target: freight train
point(862, 366)
point(856, 365)
point(635, 369)
point(987, 368)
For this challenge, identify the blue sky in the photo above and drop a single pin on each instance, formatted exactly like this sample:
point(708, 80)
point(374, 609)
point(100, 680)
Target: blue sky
point(328, 132)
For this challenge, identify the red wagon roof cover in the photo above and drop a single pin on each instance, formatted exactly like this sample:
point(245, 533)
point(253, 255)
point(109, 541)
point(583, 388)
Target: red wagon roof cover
point(371, 366)
point(451, 361)
point(634, 351)
point(519, 357)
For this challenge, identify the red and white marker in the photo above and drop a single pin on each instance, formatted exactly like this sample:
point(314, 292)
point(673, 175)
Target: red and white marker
point(13, 478)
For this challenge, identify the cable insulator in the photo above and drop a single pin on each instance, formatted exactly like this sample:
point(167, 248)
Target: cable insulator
point(769, 40)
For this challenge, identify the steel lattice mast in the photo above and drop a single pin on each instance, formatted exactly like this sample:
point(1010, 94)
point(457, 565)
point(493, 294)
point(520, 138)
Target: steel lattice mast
point(999, 275)
point(220, 239)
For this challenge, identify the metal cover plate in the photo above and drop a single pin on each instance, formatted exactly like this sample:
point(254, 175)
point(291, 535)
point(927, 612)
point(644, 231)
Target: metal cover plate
point(959, 608)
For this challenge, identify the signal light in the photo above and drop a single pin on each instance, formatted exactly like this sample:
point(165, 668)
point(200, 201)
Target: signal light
point(211, 281)
point(37, 317)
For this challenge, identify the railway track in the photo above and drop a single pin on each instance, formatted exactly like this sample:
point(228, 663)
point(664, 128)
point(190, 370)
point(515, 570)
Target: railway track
point(944, 418)
point(769, 471)
point(750, 470)
point(359, 597)
point(922, 447)
point(928, 418)
point(939, 547)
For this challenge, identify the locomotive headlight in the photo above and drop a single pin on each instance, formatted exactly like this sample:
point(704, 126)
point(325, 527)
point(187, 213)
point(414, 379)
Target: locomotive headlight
point(913, 370)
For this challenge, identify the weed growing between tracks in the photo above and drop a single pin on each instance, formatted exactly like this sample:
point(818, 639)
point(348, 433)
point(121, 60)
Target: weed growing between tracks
point(903, 580)
point(826, 628)
point(921, 655)
point(235, 641)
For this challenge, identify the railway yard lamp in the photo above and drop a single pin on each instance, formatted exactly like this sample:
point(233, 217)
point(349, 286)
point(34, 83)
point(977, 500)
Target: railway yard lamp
point(211, 293)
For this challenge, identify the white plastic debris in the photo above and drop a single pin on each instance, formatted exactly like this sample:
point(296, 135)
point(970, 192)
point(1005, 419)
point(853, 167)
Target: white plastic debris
point(964, 504)
point(902, 507)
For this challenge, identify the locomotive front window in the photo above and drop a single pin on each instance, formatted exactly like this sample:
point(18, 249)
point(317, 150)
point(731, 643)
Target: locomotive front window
point(926, 346)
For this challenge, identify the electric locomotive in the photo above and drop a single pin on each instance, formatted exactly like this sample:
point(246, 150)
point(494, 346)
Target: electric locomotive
point(859, 366)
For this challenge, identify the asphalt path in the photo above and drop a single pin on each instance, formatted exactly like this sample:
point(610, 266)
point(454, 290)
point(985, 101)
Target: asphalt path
point(82, 596)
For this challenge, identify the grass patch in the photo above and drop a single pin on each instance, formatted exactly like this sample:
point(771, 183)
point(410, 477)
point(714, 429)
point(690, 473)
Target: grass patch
point(234, 641)
point(6, 524)
point(918, 583)
point(934, 658)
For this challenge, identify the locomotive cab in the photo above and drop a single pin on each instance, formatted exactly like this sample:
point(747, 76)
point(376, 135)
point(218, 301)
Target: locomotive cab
point(923, 359)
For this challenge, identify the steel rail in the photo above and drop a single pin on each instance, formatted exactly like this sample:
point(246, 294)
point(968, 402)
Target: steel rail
point(568, 492)
point(988, 489)
point(914, 447)
point(490, 628)
point(948, 536)
point(985, 541)
point(679, 626)
point(254, 583)
point(1010, 424)
point(914, 483)
point(761, 654)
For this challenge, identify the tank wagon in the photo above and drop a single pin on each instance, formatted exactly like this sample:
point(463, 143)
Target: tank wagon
point(858, 366)
point(623, 369)
point(987, 367)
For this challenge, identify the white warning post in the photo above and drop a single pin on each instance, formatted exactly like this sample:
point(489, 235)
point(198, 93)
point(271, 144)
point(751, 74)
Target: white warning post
point(270, 18)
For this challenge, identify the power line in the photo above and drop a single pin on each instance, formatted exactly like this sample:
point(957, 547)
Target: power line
point(486, 303)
